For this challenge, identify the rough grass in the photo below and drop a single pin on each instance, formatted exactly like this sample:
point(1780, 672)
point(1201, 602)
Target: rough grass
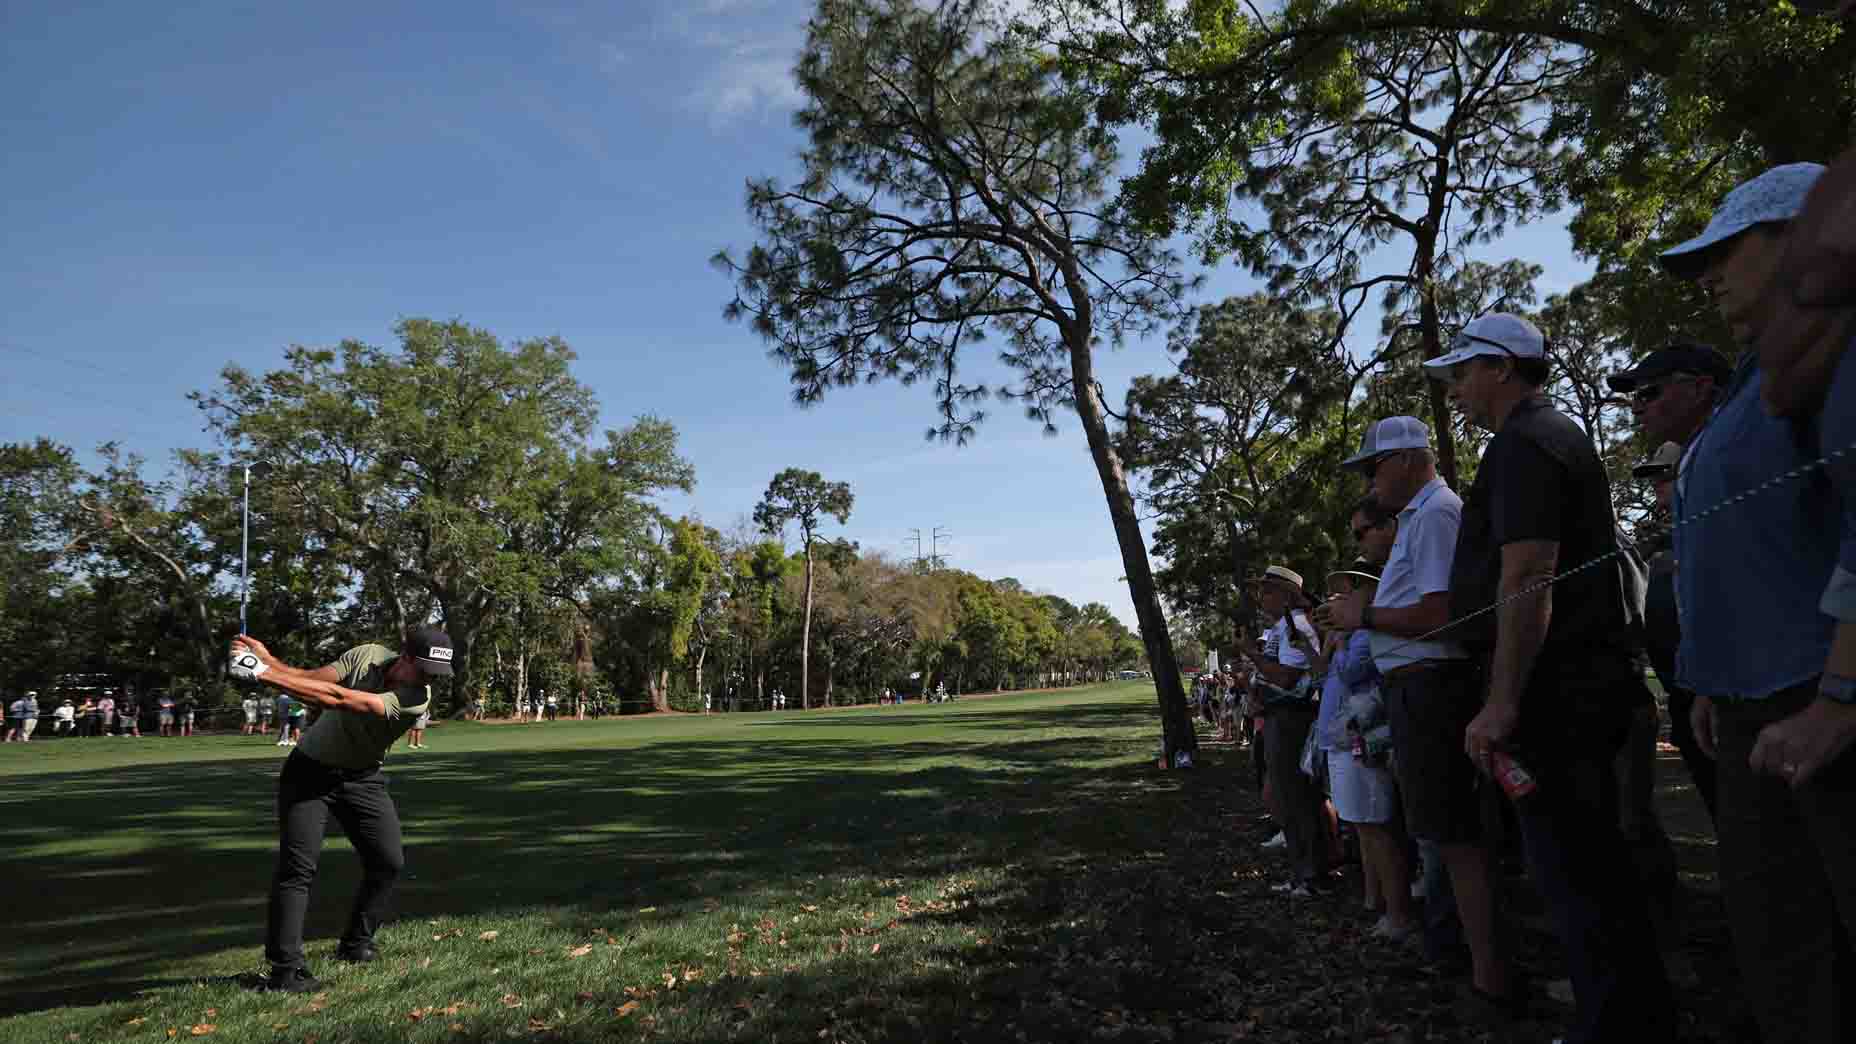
point(1002, 869)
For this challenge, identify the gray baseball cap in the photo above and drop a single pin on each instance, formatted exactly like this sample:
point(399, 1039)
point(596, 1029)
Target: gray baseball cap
point(1384, 436)
point(1773, 197)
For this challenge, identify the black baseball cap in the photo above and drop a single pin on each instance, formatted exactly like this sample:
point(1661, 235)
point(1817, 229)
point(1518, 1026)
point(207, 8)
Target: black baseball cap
point(1680, 357)
point(431, 647)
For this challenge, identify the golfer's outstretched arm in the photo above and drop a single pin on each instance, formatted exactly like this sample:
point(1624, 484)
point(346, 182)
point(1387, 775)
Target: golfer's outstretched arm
point(307, 687)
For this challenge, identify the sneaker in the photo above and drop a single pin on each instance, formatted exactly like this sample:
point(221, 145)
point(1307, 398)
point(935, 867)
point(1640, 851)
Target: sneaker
point(1281, 840)
point(1385, 929)
point(283, 743)
point(290, 980)
point(362, 954)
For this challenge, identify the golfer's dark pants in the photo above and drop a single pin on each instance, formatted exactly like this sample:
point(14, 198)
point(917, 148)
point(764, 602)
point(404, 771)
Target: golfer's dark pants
point(1299, 799)
point(1701, 767)
point(1788, 874)
point(1570, 735)
point(308, 792)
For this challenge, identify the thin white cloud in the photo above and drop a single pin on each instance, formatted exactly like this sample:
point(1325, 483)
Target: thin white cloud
point(750, 78)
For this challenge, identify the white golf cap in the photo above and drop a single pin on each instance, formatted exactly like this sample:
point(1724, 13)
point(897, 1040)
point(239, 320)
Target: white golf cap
point(1393, 433)
point(1775, 196)
point(1498, 334)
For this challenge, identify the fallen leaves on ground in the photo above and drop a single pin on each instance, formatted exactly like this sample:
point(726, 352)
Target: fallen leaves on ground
point(487, 936)
point(625, 1009)
point(580, 951)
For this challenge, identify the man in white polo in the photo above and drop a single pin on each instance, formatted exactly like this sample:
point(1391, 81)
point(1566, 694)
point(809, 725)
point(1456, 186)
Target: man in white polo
point(1432, 689)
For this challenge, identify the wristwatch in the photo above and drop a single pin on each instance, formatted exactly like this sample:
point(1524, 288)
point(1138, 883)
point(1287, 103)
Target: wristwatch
point(1838, 689)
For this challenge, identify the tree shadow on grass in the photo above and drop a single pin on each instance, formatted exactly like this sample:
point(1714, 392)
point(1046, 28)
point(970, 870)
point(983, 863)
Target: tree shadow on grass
point(593, 830)
point(1137, 904)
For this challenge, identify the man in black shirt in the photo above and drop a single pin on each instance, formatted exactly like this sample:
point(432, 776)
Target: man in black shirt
point(1558, 702)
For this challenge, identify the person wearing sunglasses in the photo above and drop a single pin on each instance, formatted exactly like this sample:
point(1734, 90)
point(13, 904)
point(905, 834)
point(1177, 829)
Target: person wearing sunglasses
point(1432, 689)
point(1564, 679)
point(1673, 389)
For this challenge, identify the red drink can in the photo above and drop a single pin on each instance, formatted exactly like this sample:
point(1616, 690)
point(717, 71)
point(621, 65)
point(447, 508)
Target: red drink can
point(1516, 781)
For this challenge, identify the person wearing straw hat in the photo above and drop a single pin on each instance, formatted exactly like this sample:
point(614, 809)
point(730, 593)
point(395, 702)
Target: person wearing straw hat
point(1539, 580)
point(1291, 702)
point(1766, 589)
point(1358, 779)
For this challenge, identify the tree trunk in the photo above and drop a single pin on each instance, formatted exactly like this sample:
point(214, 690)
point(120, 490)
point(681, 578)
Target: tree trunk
point(701, 653)
point(660, 698)
point(1175, 724)
point(805, 637)
point(831, 670)
point(1424, 268)
point(521, 694)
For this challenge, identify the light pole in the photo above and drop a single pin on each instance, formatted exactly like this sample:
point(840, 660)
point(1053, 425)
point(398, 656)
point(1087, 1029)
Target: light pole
point(244, 541)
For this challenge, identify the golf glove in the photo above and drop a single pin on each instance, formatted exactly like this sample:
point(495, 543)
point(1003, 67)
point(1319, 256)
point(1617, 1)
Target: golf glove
point(246, 666)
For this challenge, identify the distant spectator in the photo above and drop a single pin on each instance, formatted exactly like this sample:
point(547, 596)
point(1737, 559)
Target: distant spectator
point(106, 716)
point(184, 715)
point(87, 717)
point(415, 737)
point(267, 709)
point(165, 714)
point(284, 735)
point(21, 718)
point(554, 707)
point(129, 718)
point(249, 705)
point(299, 715)
point(64, 719)
point(1290, 708)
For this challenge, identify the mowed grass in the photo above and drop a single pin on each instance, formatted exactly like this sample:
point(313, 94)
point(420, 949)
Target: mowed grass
point(855, 875)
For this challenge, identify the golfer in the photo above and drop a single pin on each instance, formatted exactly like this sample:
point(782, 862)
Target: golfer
point(369, 697)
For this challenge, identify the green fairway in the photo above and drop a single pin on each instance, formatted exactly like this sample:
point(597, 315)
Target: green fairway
point(742, 876)
point(1003, 869)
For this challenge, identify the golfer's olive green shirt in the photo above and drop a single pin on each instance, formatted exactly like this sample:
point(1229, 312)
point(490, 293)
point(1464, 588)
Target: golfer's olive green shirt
point(355, 739)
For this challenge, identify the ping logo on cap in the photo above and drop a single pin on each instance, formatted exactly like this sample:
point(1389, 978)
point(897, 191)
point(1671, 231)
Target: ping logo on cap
point(438, 652)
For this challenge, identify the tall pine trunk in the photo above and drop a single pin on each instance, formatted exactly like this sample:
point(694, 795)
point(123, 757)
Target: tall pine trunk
point(805, 636)
point(1175, 723)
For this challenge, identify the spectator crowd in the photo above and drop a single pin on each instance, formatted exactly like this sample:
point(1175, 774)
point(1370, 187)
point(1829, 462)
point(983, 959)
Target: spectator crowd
point(1479, 674)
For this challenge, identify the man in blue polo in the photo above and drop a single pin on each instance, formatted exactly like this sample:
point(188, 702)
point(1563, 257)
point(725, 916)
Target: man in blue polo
point(1767, 593)
point(369, 696)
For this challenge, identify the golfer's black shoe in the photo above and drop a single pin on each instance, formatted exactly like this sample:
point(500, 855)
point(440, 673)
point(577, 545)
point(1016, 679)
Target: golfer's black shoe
point(361, 954)
point(290, 980)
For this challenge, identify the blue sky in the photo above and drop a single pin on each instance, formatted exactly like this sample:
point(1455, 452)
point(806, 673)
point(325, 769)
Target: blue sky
point(190, 187)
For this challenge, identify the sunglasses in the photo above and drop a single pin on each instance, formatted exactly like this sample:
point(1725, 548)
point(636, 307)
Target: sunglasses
point(1644, 394)
point(1372, 464)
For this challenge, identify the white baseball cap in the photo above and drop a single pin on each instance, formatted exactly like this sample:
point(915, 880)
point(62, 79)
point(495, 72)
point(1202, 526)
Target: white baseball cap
point(1775, 196)
point(1498, 334)
point(1393, 433)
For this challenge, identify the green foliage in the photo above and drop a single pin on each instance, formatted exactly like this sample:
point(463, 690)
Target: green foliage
point(454, 469)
